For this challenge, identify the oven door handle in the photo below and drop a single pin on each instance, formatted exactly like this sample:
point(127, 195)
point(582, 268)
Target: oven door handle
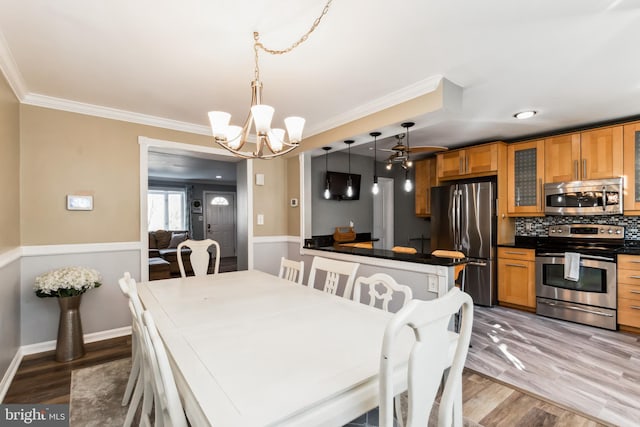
point(592, 257)
point(571, 307)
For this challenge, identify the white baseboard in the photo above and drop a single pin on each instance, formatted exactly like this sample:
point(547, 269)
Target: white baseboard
point(93, 337)
point(48, 346)
point(10, 373)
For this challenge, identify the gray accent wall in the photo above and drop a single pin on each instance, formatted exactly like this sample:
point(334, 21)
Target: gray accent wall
point(102, 308)
point(328, 214)
point(9, 313)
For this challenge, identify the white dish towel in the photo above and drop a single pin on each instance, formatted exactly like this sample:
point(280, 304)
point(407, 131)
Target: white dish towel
point(572, 266)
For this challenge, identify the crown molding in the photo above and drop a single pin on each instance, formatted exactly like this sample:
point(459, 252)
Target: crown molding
point(113, 113)
point(10, 69)
point(404, 94)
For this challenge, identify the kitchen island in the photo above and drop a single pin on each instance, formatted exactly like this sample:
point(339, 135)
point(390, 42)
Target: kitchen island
point(428, 276)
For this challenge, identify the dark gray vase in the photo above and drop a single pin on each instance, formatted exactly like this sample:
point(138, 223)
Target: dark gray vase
point(70, 344)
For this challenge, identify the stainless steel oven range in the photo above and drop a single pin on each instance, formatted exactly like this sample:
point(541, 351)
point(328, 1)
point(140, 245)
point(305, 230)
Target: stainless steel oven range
point(586, 291)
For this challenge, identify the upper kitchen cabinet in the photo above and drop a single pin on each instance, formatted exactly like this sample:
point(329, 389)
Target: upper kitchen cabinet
point(631, 201)
point(594, 154)
point(525, 171)
point(425, 178)
point(481, 160)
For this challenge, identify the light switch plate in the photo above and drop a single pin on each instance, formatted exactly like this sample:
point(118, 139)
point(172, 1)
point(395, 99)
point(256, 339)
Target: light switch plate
point(259, 179)
point(260, 219)
point(79, 203)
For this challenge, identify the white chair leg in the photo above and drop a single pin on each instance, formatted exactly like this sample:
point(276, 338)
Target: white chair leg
point(457, 407)
point(133, 375)
point(398, 406)
point(135, 402)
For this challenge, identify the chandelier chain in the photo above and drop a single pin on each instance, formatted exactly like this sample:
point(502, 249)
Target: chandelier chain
point(258, 45)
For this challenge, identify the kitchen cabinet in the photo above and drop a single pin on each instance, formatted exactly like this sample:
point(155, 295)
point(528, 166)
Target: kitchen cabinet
point(517, 278)
point(525, 171)
point(480, 160)
point(631, 168)
point(425, 178)
point(593, 154)
point(629, 290)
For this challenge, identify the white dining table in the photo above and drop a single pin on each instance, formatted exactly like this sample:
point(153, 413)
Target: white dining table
point(252, 349)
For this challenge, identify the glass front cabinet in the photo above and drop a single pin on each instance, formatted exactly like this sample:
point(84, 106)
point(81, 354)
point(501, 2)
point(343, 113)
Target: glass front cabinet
point(525, 172)
point(632, 168)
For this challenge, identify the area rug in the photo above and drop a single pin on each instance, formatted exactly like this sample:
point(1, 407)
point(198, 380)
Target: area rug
point(96, 394)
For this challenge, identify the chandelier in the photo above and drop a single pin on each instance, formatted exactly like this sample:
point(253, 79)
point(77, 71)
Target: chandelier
point(233, 138)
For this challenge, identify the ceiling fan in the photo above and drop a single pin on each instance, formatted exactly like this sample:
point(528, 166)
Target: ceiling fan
point(401, 151)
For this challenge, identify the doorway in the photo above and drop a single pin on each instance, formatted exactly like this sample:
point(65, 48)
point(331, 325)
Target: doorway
point(383, 214)
point(220, 221)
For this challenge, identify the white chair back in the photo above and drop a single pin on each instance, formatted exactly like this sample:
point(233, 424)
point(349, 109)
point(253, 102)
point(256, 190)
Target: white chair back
point(430, 357)
point(128, 286)
point(291, 270)
point(200, 256)
point(167, 398)
point(389, 288)
point(334, 270)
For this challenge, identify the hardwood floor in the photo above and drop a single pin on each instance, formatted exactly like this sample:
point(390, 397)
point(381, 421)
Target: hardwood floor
point(42, 380)
point(590, 370)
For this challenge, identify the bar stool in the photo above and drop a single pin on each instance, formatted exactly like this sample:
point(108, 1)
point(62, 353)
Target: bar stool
point(458, 272)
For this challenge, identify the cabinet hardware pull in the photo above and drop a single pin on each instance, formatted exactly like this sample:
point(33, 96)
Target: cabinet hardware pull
point(466, 166)
point(514, 253)
point(575, 169)
point(584, 168)
point(541, 195)
point(460, 165)
point(634, 261)
point(516, 265)
point(634, 277)
point(635, 307)
point(634, 291)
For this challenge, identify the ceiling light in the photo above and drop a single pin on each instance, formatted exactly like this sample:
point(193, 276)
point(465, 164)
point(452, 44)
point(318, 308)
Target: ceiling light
point(525, 114)
point(233, 138)
point(375, 188)
point(327, 182)
point(218, 176)
point(349, 181)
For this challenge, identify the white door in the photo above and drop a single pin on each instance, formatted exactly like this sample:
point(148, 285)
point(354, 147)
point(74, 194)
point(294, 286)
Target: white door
point(220, 225)
point(383, 214)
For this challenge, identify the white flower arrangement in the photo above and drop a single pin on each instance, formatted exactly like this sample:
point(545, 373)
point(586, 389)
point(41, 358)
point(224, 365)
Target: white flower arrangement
point(67, 282)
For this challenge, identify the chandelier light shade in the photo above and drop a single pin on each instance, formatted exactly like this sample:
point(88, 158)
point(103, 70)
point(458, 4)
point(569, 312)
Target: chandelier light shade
point(374, 189)
point(327, 181)
point(270, 142)
point(349, 180)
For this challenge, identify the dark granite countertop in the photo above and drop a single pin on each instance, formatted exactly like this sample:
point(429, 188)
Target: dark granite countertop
point(396, 256)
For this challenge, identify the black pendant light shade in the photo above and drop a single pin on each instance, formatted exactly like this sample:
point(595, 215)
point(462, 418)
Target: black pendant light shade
point(375, 188)
point(349, 180)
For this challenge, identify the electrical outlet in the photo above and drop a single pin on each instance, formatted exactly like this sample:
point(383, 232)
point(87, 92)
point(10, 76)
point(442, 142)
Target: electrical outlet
point(432, 284)
point(528, 226)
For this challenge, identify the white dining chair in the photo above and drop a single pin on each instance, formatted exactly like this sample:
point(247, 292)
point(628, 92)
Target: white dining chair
point(128, 286)
point(334, 269)
point(169, 410)
point(435, 350)
point(291, 270)
point(381, 287)
point(143, 390)
point(200, 256)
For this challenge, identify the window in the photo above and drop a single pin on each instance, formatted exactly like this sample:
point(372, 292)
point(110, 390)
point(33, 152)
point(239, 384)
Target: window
point(220, 201)
point(166, 210)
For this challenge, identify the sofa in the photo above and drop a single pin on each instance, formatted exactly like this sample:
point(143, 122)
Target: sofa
point(163, 245)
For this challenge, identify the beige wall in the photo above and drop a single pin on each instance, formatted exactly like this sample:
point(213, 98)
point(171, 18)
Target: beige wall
point(293, 191)
point(9, 167)
point(270, 199)
point(67, 153)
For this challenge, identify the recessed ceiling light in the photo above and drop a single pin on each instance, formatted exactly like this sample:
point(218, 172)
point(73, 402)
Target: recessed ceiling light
point(218, 176)
point(525, 114)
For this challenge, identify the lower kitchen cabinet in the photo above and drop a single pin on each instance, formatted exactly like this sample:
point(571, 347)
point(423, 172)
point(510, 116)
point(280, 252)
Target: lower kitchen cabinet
point(629, 290)
point(517, 277)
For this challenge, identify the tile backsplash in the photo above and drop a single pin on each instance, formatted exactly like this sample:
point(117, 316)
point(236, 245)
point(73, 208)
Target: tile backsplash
point(537, 226)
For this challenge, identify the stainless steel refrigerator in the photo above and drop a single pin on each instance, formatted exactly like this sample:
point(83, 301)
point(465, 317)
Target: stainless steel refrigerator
point(463, 219)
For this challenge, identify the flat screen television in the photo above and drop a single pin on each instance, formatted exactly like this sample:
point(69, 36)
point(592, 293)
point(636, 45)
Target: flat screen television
point(338, 185)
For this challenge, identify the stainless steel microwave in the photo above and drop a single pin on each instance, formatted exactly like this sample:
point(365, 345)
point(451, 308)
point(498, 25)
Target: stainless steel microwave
point(592, 197)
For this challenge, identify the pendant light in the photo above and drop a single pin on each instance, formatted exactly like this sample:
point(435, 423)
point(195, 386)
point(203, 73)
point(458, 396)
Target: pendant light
point(327, 182)
point(349, 181)
point(375, 188)
point(408, 185)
